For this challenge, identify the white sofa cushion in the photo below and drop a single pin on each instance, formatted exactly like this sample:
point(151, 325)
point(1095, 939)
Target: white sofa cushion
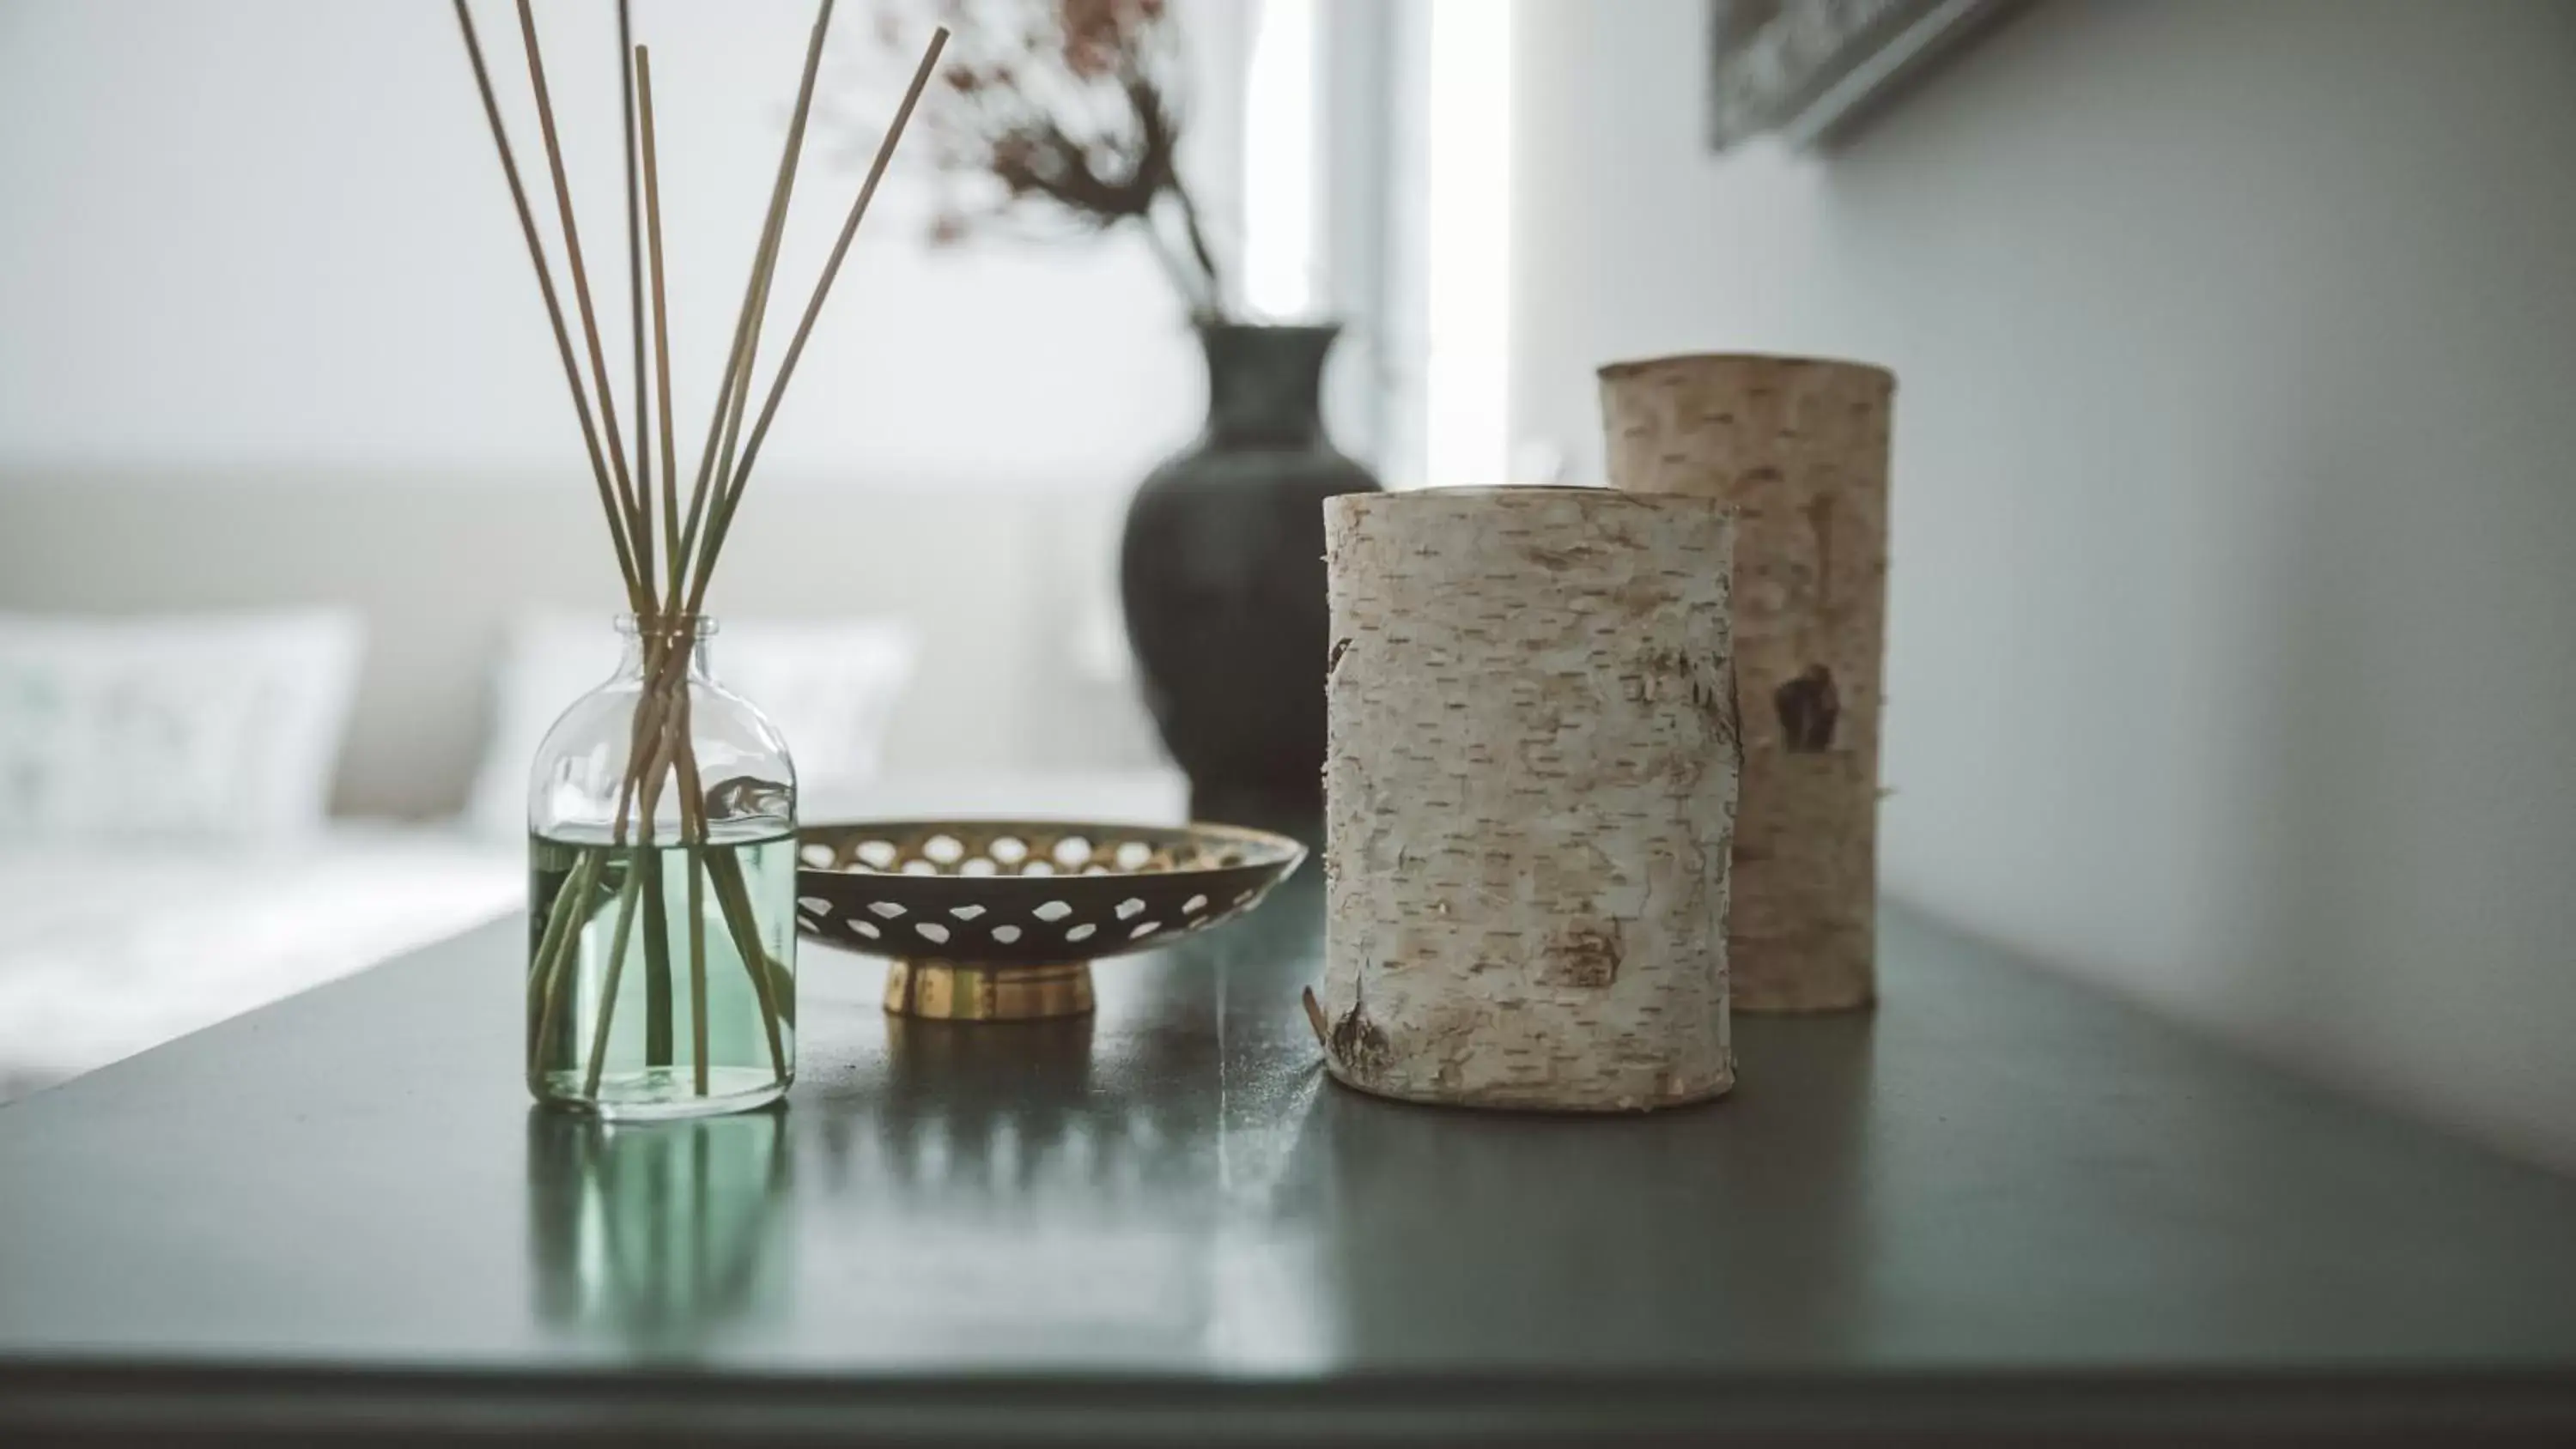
point(222, 726)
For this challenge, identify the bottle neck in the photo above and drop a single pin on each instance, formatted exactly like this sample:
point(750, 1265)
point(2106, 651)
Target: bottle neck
point(648, 642)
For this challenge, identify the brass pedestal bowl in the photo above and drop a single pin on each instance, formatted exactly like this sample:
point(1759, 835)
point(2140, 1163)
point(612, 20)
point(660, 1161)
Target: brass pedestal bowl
point(1000, 920)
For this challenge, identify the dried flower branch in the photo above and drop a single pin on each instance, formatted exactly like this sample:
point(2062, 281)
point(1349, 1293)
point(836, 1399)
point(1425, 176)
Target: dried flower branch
point(1064, 111)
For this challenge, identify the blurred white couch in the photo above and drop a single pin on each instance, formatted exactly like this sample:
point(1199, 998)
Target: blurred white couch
point(1018, 704)
point(1010, 593)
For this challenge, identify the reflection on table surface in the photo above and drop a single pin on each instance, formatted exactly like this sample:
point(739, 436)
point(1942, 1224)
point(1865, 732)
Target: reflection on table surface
point(658, 1234)
point(1997, 1174)
point(1084, 1190)
point(1173, 1182)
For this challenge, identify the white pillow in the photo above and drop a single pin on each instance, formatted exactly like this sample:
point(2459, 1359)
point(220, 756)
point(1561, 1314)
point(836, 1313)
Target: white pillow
point(830, 685)
point(208, 726)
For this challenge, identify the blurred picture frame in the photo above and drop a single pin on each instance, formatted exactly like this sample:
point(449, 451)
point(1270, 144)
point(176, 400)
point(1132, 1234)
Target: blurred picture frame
point(1812, 71)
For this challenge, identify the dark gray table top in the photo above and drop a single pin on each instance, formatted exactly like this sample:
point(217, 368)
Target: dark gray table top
point(2001, 1204)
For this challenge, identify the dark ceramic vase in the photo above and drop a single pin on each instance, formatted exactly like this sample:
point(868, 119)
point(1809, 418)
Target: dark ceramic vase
point(1222, 574)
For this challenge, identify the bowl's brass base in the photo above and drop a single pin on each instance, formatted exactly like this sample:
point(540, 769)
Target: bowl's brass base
point(953, 991)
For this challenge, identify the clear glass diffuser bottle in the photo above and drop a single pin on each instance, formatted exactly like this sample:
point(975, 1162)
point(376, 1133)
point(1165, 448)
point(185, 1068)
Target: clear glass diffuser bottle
point(661, 892)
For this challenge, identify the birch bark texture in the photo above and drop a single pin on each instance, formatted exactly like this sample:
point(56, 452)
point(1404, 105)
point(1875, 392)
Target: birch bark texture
point(1798, 448)
point(1530, 793)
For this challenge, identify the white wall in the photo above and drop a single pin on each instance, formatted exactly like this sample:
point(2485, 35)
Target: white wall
point(262, 247)
point(2233, 630)
point(273, 233)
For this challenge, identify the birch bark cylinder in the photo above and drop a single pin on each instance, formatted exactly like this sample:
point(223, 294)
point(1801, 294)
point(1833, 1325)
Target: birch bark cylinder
point(1798, 448)
point(1530, 789)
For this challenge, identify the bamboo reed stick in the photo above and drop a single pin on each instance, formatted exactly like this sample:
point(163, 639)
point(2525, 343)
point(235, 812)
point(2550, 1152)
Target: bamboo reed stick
point(657, 970)
point(724, 874)
point(733, 390)
point(677, 758)
point(697, 963)
point(647, 746)
point(581, 283)
point(735, 903)
point(693, 831)
point(718, 863)
point(665, 642)
point(549, 945)
point(657, 944)
point(723, 522)
point(635, 280)
point(652, 749)
point(643, 72)
point(660, 748)
point(741, 395)
point(558, 973)
point(642, 862)
point(554, 306)
point(644, 772)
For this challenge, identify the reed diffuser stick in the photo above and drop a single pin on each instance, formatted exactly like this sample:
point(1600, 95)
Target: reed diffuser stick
point(554, 307)
point(661, 317)
point(568, 907)
point(723, 524)
point(581, 296)
point(666, 557)
point(657, 944)
point(640, 77)
point(717, 462)
point(552, 969)
point(697, 963)
point(635, 269)
point(626, 902)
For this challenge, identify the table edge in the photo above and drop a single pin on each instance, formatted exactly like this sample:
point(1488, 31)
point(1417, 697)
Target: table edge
point(2363, 1404)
